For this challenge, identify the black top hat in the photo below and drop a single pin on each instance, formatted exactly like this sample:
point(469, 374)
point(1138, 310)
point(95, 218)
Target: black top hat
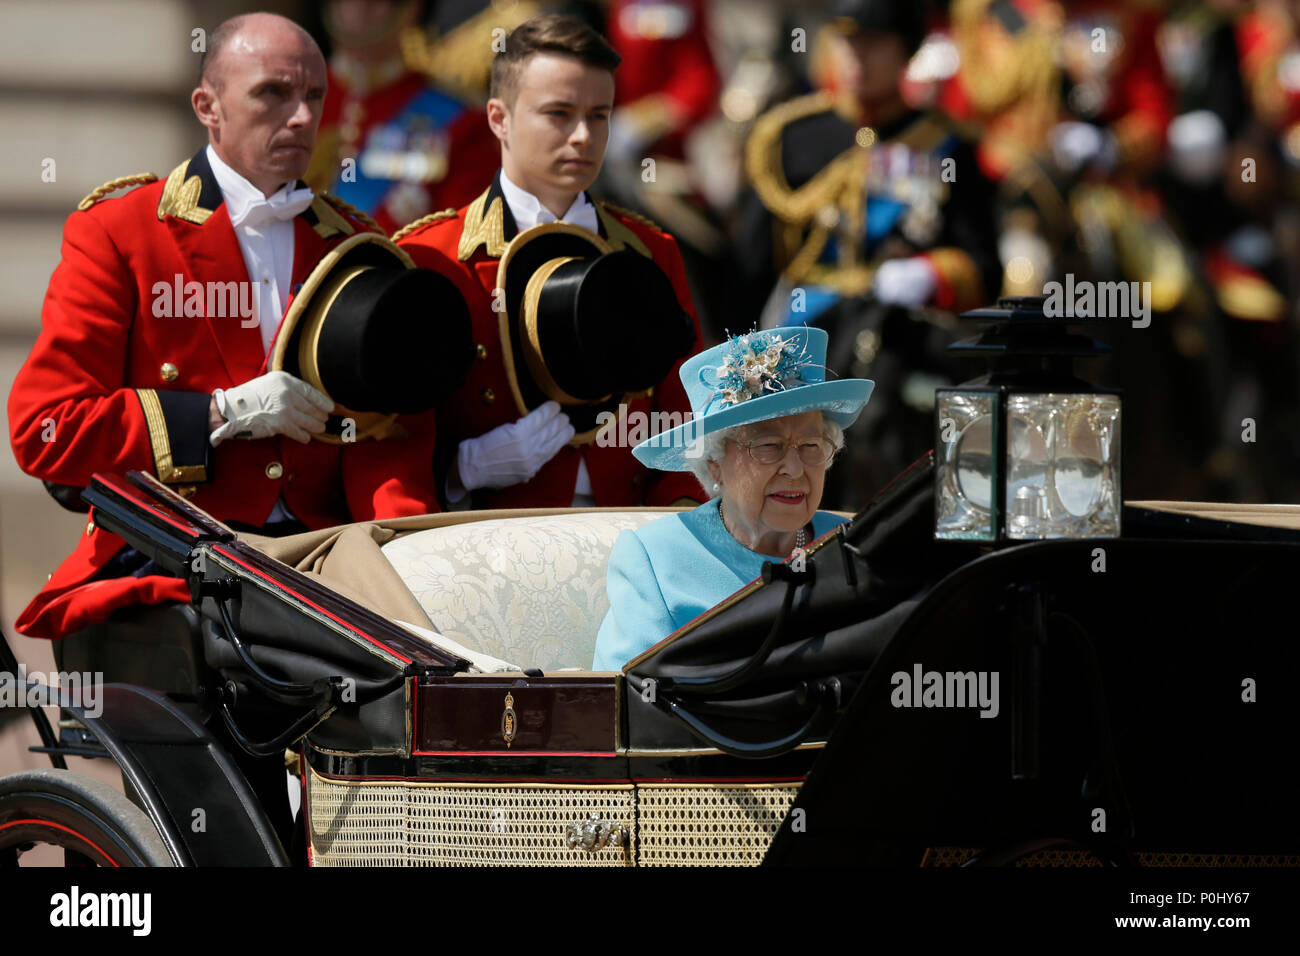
point(375, 334)
point(585, 326)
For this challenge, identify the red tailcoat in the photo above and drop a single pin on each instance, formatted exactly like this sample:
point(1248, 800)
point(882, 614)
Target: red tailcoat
point(115, 383)
point(467, 248)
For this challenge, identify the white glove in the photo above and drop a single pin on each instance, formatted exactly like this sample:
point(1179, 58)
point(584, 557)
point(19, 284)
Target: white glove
point(272, 404)
point(906, 282)
point(510, 454)
point(1075, 145)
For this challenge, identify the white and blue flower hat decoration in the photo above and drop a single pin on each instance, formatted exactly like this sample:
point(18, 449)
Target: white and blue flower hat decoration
point(750, 378)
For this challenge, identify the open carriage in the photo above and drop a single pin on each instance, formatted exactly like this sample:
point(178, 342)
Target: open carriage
point(997, 660)
point(427, 678)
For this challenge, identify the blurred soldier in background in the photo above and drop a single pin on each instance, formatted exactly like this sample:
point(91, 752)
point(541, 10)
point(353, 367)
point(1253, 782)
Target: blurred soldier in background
point(667, 81)
point(867, 216)
point(456, 46)
point(1076, 106)
point(667, 85)
point(391, 142)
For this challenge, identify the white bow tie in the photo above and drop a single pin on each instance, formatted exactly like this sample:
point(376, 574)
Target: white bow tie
point(282, 206)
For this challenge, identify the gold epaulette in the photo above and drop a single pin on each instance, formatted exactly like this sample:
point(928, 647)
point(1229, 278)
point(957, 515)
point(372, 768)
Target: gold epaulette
point(423, 221)
point(343, 206)
point(112, 186)
point(771, 123)
point(634, 216)
point(766, 172)
point(459, 61)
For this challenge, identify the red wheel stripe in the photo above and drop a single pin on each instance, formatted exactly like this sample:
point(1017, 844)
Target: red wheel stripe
point(59, 826)
point(145, 505)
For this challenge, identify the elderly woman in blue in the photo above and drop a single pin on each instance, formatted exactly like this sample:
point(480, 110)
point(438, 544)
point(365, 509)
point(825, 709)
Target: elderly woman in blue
point(765, 427)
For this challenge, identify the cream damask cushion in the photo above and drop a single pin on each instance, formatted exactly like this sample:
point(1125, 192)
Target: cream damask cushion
point(529, 590)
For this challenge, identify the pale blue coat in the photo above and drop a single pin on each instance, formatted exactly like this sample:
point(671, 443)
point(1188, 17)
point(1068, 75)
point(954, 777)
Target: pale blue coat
point(668, 572)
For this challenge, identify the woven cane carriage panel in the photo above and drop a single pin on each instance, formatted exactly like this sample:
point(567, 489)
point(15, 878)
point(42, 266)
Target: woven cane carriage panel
point(398, 824)
point(714, 825)
point(357, 825)
point(513, 826)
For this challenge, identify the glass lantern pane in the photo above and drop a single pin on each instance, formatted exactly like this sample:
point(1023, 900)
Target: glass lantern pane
point(1063, 464)
point(966, 471)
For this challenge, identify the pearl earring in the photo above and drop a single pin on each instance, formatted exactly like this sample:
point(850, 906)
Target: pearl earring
point(716, 486)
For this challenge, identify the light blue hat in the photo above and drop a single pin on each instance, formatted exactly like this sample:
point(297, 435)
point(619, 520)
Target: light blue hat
point(750, 378)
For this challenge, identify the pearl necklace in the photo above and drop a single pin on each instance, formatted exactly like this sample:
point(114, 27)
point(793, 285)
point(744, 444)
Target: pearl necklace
point(800, 536)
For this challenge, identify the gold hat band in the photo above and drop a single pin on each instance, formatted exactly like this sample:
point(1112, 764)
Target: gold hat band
point(313, 323)
point(368, 424)
point(532, 340)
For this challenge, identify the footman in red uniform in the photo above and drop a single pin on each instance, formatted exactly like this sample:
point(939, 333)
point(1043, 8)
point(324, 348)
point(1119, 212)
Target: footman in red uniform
point(124, 377)
point(552, 92)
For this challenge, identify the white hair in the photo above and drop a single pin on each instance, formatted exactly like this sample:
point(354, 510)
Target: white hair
point(713, 448)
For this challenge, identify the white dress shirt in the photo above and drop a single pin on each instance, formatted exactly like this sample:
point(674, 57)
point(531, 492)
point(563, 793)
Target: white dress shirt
point(528, 211)
point(264, 229)
point(267, 246)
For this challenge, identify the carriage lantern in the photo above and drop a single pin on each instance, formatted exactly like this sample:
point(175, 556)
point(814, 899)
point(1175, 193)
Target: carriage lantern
point(1027, 451)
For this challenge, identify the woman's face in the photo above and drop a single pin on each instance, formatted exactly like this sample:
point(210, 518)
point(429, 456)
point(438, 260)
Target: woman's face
point(765, 500)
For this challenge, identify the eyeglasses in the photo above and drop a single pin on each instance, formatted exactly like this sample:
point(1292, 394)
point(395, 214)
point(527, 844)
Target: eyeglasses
point(769, 451)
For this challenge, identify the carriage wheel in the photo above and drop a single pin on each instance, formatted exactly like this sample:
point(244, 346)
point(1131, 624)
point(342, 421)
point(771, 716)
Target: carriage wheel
point(94, 824)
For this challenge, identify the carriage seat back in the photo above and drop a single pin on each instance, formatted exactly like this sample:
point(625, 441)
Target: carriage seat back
point(530, 590)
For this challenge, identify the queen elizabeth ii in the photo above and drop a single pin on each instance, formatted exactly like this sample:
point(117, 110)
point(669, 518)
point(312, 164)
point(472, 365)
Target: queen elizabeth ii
point(765, 427)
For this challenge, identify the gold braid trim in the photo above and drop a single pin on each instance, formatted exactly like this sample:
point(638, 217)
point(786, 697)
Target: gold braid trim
point(1013, 80)
point(1026, 69)
point(168, 471)
point(829, 202)
point(483, 227)
point(342, 205)
point(634, 216)
point(764, 168)
point(113, 185)
point(410, 227)
point(180, 197)
point(620, 236)
point(461, 59)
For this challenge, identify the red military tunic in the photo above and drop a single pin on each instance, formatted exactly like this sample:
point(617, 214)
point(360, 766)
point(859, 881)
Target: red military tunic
point(118, 380)
point(665, 51)
point(467, 248)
